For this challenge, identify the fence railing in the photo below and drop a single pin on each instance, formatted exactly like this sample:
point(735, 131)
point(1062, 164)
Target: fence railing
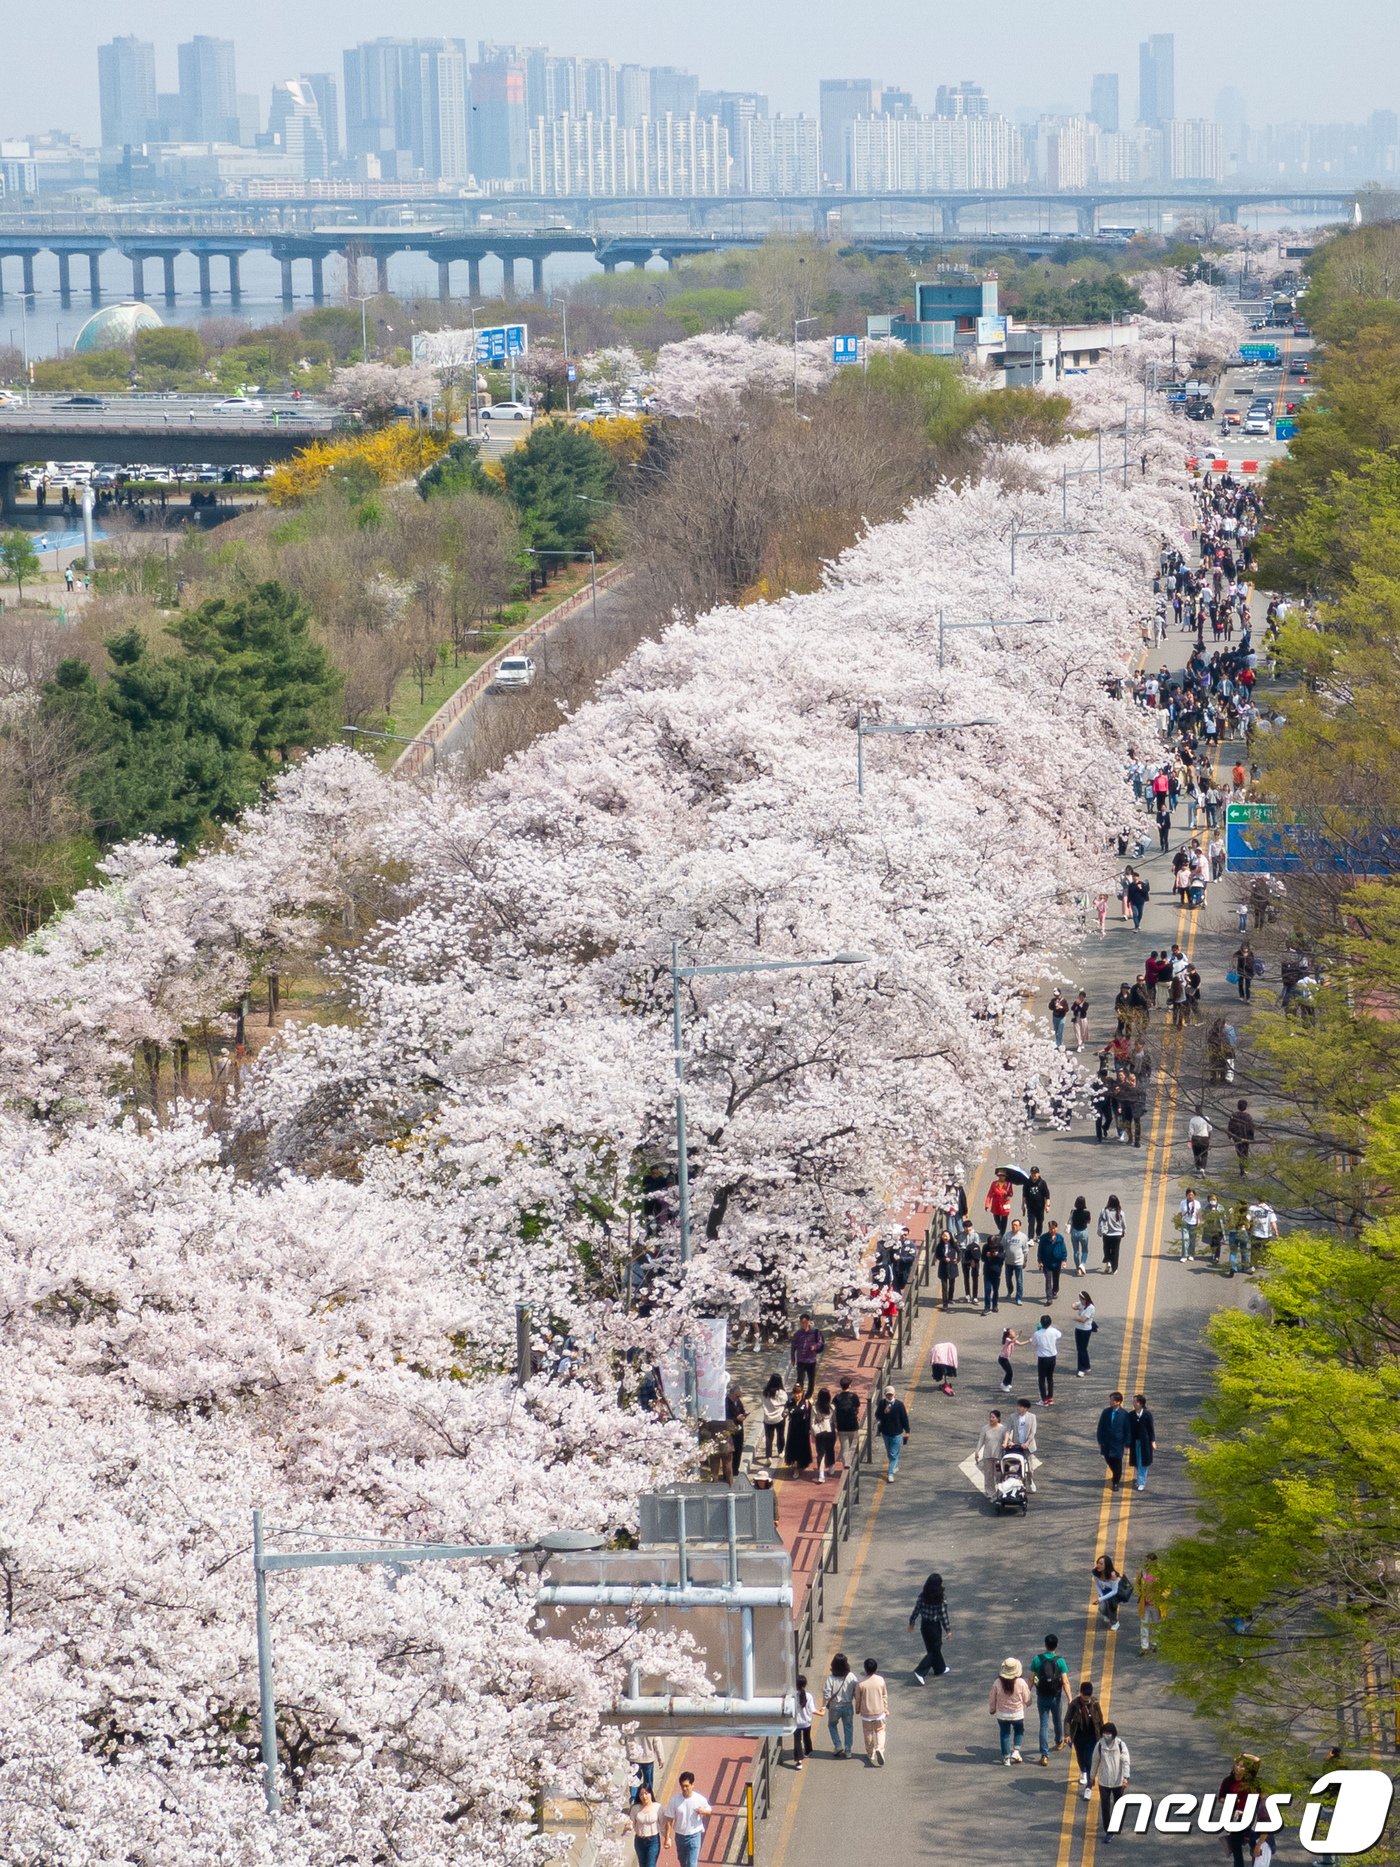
point(838, 1529)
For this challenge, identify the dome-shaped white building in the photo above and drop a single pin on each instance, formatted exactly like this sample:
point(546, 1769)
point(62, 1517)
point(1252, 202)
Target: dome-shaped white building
point(114, 327)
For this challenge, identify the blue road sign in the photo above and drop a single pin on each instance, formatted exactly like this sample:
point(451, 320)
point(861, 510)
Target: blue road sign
point(500, 342)
point(1264, 848)
point(845, 350)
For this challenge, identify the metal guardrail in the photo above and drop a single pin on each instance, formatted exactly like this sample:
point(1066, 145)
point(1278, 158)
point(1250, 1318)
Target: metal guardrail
point(847, 1496)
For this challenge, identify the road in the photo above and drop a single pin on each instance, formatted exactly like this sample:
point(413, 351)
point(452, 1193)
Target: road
point(944, 1796)
point(1238, 388)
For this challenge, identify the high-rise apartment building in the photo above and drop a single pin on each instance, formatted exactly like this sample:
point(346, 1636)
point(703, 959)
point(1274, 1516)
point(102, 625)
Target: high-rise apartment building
point(126, 89)
point(914, 154)
point(326, 90)
point(500, 124)
point(667, 155)
point(374, 108)
point(435, 108)
point(1103, 101)
point(842, 100)
point(295, 120)
point(736, 110)
point(208, 90)
point(633, 95)
point(962, 100)
point(1193, 150)
point(782, 155)
point(1157, 80)
point(673, 93)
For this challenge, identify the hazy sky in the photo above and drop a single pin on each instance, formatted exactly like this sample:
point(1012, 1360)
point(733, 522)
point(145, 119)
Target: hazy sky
point(1289, 60)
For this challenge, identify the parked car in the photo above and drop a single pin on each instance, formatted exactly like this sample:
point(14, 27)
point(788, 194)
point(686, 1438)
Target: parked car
point(508, 411)
point(515, 671)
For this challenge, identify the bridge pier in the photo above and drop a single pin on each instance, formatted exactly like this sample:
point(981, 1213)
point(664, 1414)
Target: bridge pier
point(381, 274)
point(138, 275)
point(168, 262)
point(352, 271)
point(1231, 210)
point(473, 279)
point(8, 483)
point(206, 284)
point(507, 277)
point(235, 286)
point(948, 217)
point(537, 276)
point(95, 277)
point(444, 281)
point(27, 261)
point(318, 279)
point(287, 283)
point(65, 281)
point(1086, 219)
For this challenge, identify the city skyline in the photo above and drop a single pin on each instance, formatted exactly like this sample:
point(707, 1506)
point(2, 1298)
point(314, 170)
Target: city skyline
point(732, 47)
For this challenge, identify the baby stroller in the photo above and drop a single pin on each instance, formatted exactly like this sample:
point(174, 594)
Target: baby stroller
point(1013, 1481)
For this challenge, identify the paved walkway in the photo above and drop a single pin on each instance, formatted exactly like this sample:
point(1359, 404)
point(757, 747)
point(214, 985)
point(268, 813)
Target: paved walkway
point(944, 1796)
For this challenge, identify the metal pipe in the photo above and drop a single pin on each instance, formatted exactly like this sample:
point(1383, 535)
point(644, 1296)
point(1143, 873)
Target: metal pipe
point(684, 1563)
point(267, 1704)
point(412, 1552)
point(860, 737)
point(746, 1652)
point(657, 1706)
point(524, 1361)
point(661, 1594)
point(733, 1546)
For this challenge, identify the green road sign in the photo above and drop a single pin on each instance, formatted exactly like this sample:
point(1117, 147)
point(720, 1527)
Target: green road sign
point(1249, 813)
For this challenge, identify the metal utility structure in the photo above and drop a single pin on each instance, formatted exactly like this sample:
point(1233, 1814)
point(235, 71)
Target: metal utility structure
point(946, 628)
point(709, 1563)
point(866, 731)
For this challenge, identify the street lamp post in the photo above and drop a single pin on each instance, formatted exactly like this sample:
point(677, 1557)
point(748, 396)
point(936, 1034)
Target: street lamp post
point(589, 553)
point(864, 732)
point(679, 973)
point(1073, 531)
point(995, 622)
point(476, 393)
point(796, 324)
point(369, 732)
point(362, 300)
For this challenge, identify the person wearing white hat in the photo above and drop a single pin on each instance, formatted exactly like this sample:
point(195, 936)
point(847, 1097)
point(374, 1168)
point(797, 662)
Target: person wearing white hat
point(1007, 1703)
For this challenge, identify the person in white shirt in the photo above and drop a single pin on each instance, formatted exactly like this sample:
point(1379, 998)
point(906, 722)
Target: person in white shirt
point(684, 1816)
point(1199, 1131)
point(1262, 1223)
point(1047, 1346)
point(1189, 1215)
point(1110, 1770)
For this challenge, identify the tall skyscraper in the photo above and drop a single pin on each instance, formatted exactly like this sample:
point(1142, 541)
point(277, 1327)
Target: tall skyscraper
point(1103, 101)
point(295, 120)
point(1157, 80)
point(500, 127)
point(842, 100)
point(374, 110)
point(633, 95)
point(126, 88)
point(961, 100)
point(675, 91)
point(326, 90)
point(208, 90)
point(434, 90)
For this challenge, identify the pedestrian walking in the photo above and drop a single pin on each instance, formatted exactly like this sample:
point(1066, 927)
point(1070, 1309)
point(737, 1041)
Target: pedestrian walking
point(993, 1258)
point(1015, 1271)
point(845, 1409)
point(1022, 1435)
point(873, 1710)
point(1079, 1018)
point(1188, 1216)
point(1114, 1434)
point(971, 1264)
point(645, 1816)
point(930, 1616)
point(1059, 1011)
point(1046, 1340)
point(1051, 1254)
point(798, 1456)
point(1241, 1132)
point(774, 1410)
point(1010, 1342)
point(684, 1820)
point(1152, 1593)
point(824, 1434)
point(990, 1443)
point(1111, 1226)
point(892, 1424)
point(1241, 1783)
point(646, 1757)
point(1035, 1197)
point(1139, 893)
point(998, 1202)
point(808, 1344)
point(1110, 1771)
point(1101, 913)
point(802, 1723)
point(736, 1417)
point(1007, 1702)
point(839, 1699)
point(947, 1258)
point(1085, 1325)
point(1213, 1228)
point(1051, 1675)
point(1079, 1222)
point(1143, 1440)
point(1244, 969)
point(1084, 1727)
point(1263, 1225)
point(1108, 1588)
point(1198, 1130)
point(943, 1365)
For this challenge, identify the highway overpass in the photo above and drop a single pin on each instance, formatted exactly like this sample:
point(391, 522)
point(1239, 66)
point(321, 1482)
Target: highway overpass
point(153, 431)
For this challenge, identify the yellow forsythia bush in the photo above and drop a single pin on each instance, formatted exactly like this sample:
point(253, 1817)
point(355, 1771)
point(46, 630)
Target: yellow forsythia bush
point(400, 452)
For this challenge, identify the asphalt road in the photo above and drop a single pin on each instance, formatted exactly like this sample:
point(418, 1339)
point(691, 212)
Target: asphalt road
point(944, 1796)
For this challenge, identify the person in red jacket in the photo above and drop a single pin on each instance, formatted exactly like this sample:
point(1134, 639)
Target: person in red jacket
point(998, 1202)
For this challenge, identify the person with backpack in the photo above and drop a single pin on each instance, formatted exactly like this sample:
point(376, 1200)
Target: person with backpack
point(1112, 1588)
point(931, 1617)
point(1084, 1726)
point(802, 1725)
point(1050, 1675)
point(1110, 1771)
point(845, 1409)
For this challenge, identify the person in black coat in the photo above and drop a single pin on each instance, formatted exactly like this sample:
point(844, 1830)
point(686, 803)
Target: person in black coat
point(892, 1424)
point(1144, 1438)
